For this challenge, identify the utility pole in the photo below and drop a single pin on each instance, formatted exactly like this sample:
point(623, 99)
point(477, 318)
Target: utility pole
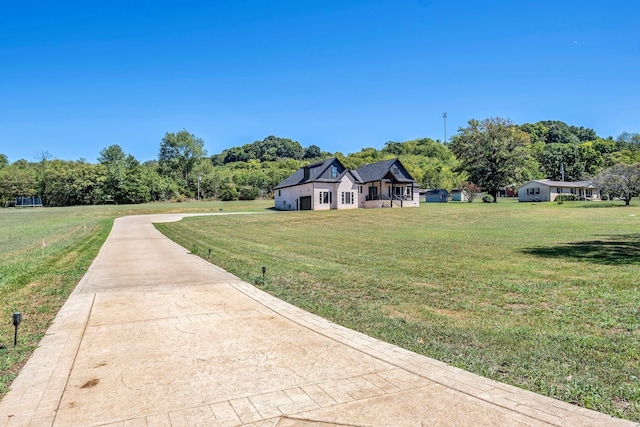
point(444, 116)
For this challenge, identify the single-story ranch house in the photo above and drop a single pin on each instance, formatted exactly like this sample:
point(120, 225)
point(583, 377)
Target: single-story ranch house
point(545, 190)
point(329, 185)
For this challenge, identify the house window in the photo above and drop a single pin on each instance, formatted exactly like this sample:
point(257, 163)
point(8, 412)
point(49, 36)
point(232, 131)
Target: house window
point(334, 171)
point(533, 191)
point(398, 191)
point(352, 197)
point(325, 197)
point(559, 190)
point(396, 171)
point(347, 198)
point(279, 193)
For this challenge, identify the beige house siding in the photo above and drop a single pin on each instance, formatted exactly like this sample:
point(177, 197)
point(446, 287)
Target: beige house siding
point(547, 191)
point(347, 193)
point(288, 199)
point(416, 198)
point(329, 185)
point(534, 191)
point(410, 197)
point(584, 192)
point(324, 196)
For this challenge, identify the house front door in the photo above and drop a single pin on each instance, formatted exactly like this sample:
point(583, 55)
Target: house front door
point(373, 193)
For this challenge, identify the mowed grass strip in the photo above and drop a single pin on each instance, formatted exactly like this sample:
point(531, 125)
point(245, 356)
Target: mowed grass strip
point(542, 296)
point(37, 282)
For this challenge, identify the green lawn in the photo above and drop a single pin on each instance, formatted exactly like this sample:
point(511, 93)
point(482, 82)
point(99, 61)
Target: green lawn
point(542, 296)
point(37, 282)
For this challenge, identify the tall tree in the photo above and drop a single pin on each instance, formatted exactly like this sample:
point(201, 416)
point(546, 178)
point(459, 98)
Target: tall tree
point(111, 154)
point(561, 161)
point(41, 174)
point(113, 160)
point(628, 141)
point(17, 179)
point(583, 134)
point(180, 153)
point(4, 161)
point(620, 181)
point(494, 153)
point(312, 152)
point(559, 132)
point(125, 180)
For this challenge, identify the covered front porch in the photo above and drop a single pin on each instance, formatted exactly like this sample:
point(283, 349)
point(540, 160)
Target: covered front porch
point(390, 193)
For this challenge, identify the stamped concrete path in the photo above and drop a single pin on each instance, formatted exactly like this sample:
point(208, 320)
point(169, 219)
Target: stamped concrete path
point(154, 336)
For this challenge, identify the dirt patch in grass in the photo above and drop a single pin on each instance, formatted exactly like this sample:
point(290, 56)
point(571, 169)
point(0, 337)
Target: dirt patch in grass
point(426, 285)
point(516, 307)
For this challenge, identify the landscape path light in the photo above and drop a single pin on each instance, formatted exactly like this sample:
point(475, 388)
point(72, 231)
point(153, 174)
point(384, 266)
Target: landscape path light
point(17, 318)
point(264, 271)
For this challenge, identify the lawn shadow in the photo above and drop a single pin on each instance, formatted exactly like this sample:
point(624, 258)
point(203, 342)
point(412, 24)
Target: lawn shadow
point(613, 250)
point(602, 205)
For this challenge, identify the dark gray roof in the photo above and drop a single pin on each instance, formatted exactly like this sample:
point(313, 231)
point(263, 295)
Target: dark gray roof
point(367, 173)
point(437, 191)
point(564, 184)
point(315, 172)
point(380, 170)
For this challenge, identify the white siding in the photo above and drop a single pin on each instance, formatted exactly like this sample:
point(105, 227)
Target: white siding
point(537, 191)
point(347, 186)
point(321, 202)
point(534, 192)
point(288, 199)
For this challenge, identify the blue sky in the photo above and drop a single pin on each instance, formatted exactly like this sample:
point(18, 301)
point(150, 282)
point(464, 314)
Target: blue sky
point(78, 76)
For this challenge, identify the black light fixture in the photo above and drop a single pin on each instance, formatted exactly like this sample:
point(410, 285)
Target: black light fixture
point(209, 255)
point(17, 318)
point(264, 271)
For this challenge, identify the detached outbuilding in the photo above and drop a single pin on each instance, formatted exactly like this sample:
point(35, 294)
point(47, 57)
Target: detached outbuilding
point(457, 195)
point(439, 195)
point(545, 190)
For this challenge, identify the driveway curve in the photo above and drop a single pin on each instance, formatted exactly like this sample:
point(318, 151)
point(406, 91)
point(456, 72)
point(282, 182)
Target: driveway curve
point(154, 336)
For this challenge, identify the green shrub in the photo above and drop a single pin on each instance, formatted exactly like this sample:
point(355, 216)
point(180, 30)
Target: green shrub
point(567, 198)
point(228, 194)
point(487, 198)
point(249, 193)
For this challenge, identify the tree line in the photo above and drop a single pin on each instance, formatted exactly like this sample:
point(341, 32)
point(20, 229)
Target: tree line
point(491, 155)
point(495, 153)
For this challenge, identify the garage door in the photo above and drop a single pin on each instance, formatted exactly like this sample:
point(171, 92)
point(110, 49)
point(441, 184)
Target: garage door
point(305, 203)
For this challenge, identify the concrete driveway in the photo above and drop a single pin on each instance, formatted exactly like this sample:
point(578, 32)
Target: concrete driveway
point(154, 336)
